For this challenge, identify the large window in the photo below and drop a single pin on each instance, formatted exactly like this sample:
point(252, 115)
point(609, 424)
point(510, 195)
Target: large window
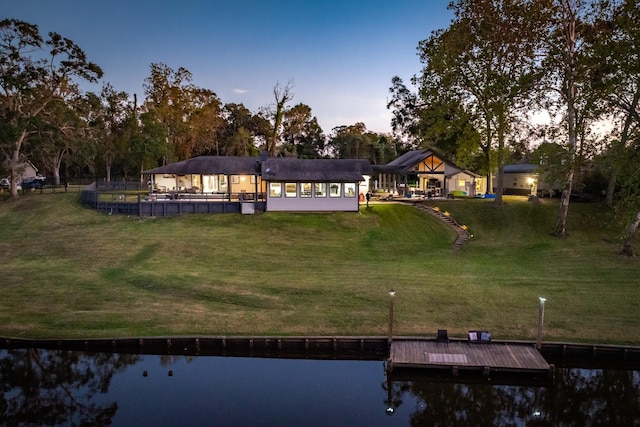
point(305, 189)
point(290, 189)
point(275, 189)
point(196, 182)
point(320, 189)
point(223, 183)
point(349, 189)
point(334, 189)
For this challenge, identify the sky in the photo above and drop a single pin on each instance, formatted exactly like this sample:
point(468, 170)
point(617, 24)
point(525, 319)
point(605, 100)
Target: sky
point(340, 55)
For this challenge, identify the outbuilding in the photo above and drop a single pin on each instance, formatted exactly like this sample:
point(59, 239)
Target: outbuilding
point(315, 184)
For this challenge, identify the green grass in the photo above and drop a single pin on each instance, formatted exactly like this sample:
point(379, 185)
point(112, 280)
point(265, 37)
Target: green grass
point(68, 271)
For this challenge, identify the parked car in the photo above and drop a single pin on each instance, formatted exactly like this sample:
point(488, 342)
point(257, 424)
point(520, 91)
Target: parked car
point(6, 183)
point(33, 183)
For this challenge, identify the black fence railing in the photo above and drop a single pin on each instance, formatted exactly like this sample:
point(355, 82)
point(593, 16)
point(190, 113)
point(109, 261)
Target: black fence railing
point(122, 199)
point(121, 186)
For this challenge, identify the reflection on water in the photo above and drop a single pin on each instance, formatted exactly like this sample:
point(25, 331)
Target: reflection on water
point(53, 387)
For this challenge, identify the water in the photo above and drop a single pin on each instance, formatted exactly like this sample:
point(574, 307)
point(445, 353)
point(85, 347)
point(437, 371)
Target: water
point(53, 387)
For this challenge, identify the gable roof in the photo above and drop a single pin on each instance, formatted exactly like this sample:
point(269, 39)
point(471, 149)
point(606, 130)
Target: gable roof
point(292, 169)
point(210, 165)
point(464, 171)
point(409, 160)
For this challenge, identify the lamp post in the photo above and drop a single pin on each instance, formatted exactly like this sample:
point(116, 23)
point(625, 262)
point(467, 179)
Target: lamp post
point(392, 293)
point(540, 322)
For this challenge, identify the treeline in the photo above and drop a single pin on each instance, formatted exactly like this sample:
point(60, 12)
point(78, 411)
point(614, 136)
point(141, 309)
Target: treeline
point(47, 119)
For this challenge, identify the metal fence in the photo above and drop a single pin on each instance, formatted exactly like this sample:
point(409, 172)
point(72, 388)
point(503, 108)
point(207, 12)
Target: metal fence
point(112, 200)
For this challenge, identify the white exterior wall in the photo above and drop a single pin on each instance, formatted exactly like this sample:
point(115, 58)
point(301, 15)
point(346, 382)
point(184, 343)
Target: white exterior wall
point(310, 204)
point(464, 182)
point(521, 182)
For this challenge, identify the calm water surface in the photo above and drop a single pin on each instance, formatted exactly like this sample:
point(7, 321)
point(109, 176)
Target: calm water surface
point(53, 387)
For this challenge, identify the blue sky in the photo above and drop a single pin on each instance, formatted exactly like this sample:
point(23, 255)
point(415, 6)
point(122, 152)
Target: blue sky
point(340, 54)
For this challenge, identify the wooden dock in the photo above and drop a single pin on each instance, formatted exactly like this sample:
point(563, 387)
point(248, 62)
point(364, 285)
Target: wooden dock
point(457, 356)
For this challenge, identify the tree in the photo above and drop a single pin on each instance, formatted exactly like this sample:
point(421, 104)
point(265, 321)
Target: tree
point(146, 137)
point(301, 134)
point(33, 72)
point(438, 123)
point(203, 122)
point(616, 77)
point(239, 131)
point(189, 115)
point(566, 61)
point(275, 113)
point(60, 131)
point(486, 61)
point(404, 106)
point(108, 127)
point(240, 143)
point(355, 142)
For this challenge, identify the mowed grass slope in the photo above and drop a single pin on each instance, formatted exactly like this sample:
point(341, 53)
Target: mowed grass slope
point(68, 271)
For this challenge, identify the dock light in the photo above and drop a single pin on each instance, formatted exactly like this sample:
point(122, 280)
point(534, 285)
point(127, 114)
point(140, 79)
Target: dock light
point(540, 321)
point(392, 293)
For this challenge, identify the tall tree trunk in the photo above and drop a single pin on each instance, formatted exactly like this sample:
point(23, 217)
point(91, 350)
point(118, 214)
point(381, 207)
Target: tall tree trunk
point(627, 249)
point(561, 223)
point(624, 137)
point(14, 163)
point(611, 186)
point(57, 163)
point(500, 152)
point(487, 157)
point(570, 37)
point(282, 95)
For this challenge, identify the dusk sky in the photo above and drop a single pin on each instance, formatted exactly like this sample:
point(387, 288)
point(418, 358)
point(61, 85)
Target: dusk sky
point(340, 54)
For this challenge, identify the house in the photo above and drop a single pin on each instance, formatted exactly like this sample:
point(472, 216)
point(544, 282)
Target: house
point(521, 179)
point(426, 172)
point(287, 184)
point(26, 171)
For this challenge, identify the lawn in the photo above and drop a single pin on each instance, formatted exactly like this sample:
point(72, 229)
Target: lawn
point(70, 272)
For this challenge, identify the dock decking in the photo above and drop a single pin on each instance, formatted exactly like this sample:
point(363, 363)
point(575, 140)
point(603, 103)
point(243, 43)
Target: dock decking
point(459, 355)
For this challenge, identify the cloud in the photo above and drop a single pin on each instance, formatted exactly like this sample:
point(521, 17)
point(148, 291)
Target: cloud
point(240, 91)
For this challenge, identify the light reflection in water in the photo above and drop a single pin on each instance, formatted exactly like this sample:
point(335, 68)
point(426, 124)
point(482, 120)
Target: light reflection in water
point(56, 387)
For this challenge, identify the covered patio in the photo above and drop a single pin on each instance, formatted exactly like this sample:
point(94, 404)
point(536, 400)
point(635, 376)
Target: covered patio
point(207, 178)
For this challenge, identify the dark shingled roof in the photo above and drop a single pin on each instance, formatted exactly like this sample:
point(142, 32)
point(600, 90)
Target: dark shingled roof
point(273, 168)
point(410, 158)
point(210, 165)
point(408, 161)
point(291, 169)
point(521, 168)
